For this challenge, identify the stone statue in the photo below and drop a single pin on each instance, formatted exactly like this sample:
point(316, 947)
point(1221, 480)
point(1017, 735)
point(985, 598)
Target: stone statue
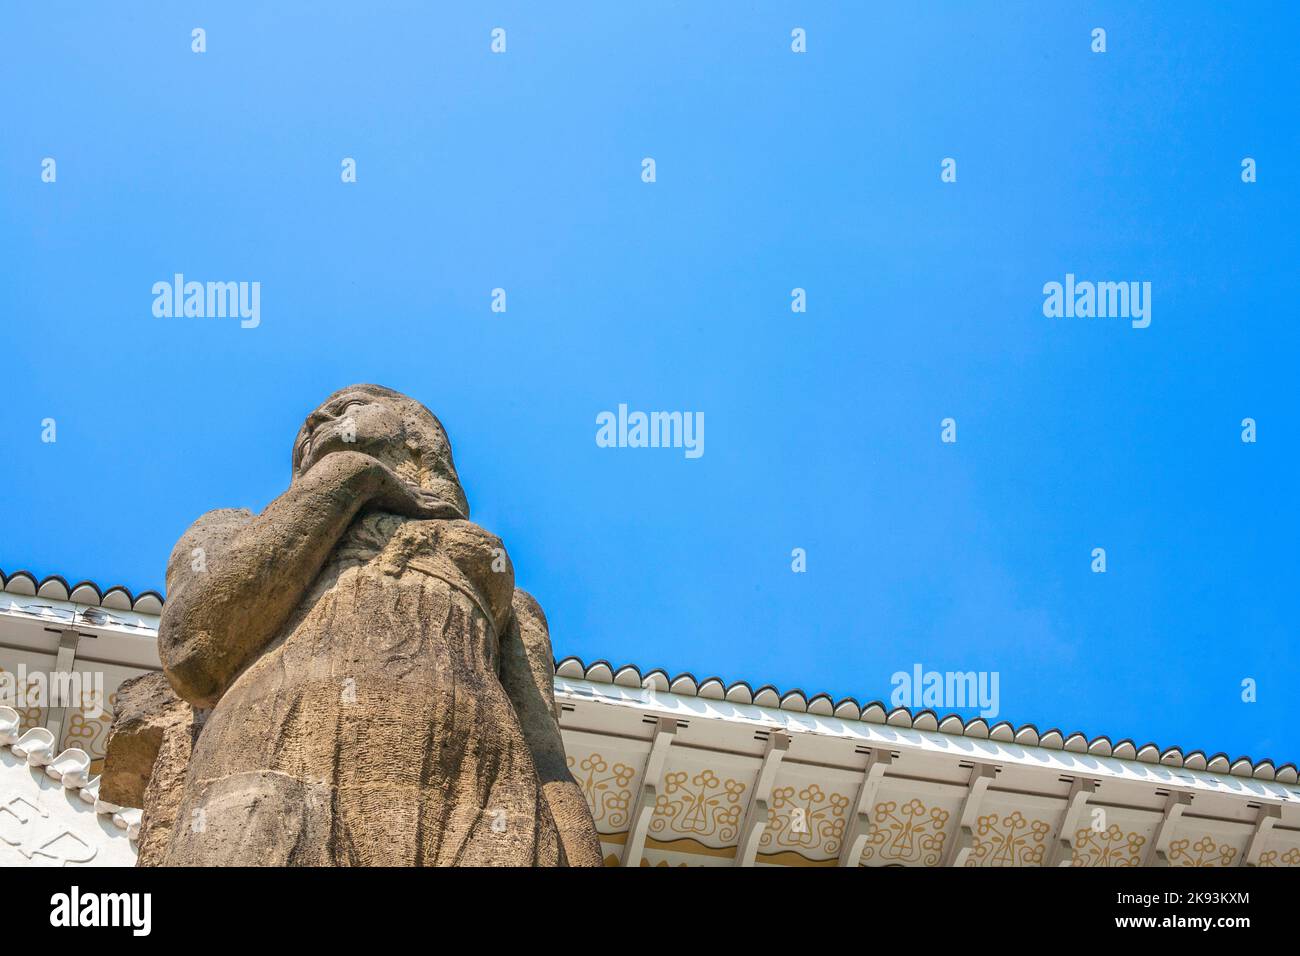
point(380, 693)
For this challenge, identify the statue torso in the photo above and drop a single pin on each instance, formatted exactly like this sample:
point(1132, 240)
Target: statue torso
point(400, 603)
point(400, 630)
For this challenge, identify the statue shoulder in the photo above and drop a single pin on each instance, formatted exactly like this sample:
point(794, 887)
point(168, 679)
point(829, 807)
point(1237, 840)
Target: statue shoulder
point(529, 613)
point(461, 533)
point(482, 558)
point(208, 536)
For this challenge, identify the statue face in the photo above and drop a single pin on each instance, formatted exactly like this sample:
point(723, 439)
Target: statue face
point(387, 426)
point(350, 420)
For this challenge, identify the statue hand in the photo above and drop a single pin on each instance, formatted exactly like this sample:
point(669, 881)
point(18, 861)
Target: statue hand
point(380, 487)
point(402, 498)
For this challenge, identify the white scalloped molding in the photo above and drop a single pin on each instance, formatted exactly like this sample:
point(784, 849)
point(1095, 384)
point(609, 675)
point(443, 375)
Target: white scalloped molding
point(50, 811)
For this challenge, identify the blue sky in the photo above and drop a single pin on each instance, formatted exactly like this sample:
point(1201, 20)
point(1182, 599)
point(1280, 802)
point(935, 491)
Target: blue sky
point(774, 170)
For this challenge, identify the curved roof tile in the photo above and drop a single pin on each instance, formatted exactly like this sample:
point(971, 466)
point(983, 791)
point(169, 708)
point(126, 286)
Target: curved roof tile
point(1027, 736)
point(821, 706)
point(926, 720)
point(848, 709)
point(713, 689)
point(1052, 740)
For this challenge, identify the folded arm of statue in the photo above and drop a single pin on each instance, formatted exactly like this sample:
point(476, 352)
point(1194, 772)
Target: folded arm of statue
point(528, 676)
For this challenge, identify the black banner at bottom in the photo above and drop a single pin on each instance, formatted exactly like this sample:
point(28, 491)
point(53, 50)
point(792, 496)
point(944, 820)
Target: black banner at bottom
point(131, 907)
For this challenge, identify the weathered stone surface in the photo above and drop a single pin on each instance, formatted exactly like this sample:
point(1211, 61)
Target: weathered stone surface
point(528, 674)
point(146, 706)
point(381, 694)
point(147, 756)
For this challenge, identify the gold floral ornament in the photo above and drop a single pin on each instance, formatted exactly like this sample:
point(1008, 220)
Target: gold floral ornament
point(91, 733)
point(607, 789)
point(808, 821)
point(912, 833)
point(1109, 847)
point(1270, 858)
point(1204, 852)
point(706, 807)
point(1012, 840)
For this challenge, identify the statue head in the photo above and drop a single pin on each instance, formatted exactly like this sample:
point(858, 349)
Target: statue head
point(386, 425)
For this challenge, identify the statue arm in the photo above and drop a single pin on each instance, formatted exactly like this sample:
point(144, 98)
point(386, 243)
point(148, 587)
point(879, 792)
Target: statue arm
point(528, 674)
point(234, 579)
